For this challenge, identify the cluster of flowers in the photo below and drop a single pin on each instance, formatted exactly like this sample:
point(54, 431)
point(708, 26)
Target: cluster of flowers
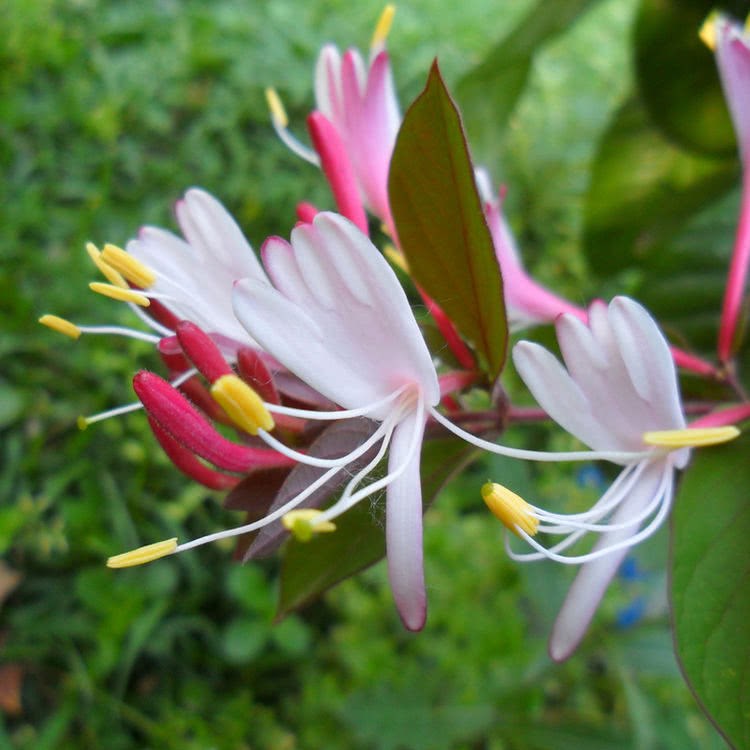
point(316, 359)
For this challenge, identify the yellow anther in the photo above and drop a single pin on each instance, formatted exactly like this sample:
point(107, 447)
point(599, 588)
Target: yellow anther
point(133, 270)
point(113, 276)
point(278, 113)
point(82, 423)
point(118, 293)
point(242, 404)
point(396, 257)
point(707, 31)
point(302, 523)
point(143, 554)
point(513, 511)
point(61, 325)
point(383, 27)
point(698, 437)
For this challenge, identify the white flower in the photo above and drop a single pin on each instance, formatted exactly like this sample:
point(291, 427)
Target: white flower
point(618, 391)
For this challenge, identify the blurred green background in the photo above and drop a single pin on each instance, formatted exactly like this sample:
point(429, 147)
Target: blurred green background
point(108, 112)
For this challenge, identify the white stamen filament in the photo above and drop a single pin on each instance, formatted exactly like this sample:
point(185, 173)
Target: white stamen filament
point(295, 145)
point(611, 498)
point(336, 414)
point(323, 463)
point(344, 503)
point(295, 501)
point(130, 333)
point(136, 405)
point(152, 323)
point(663, 498)
point(528, 455)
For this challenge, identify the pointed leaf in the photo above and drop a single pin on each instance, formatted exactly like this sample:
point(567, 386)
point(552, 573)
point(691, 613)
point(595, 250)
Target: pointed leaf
point(710, 585)
point(440, 223)
point(310, 568)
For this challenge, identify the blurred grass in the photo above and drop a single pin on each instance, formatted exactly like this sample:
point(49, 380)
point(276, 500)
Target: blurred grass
point(108, 112)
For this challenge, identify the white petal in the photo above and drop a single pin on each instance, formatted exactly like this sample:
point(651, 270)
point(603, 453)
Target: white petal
point(338, 278)
point(594, 577)
point(210, 228)
point(404, 529)
point(557, 393)
point(649, 362)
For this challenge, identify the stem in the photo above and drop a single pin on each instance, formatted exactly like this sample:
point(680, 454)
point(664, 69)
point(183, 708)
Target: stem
point(737, 276)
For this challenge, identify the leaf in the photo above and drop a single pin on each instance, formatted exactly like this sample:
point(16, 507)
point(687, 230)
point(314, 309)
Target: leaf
point(710, 585)
point(677, 76)
point(489, 91)
point(643, 189)
point(310, 568)
point(440, 223)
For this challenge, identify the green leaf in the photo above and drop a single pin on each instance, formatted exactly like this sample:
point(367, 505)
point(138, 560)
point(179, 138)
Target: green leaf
point(677, 76)
point(710, 585)
point(489, 91)
point(440, 223)
point(310, 568)
point(643, 189)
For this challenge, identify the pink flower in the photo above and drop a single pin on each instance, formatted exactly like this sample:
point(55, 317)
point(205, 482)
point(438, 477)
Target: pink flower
point(354, 126)
point(360, 101)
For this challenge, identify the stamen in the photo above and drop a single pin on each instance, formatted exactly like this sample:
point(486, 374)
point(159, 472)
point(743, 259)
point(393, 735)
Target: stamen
point(513, 511)
point(302, 523)
point(61, 325)
point(242, 404)
point(278, 113)
point(293, 503)
point(112, 275)
point(691, 437)
point(116, 292)
point(84, 422)
point(131, 268)
point(143, 554)
point(347, 501)
point(382, 28)
point(707, 31)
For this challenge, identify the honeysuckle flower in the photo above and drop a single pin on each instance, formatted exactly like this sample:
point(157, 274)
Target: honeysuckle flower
point(618, 391)
point(731, 43)
point(358, 100)
point(336, 316)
